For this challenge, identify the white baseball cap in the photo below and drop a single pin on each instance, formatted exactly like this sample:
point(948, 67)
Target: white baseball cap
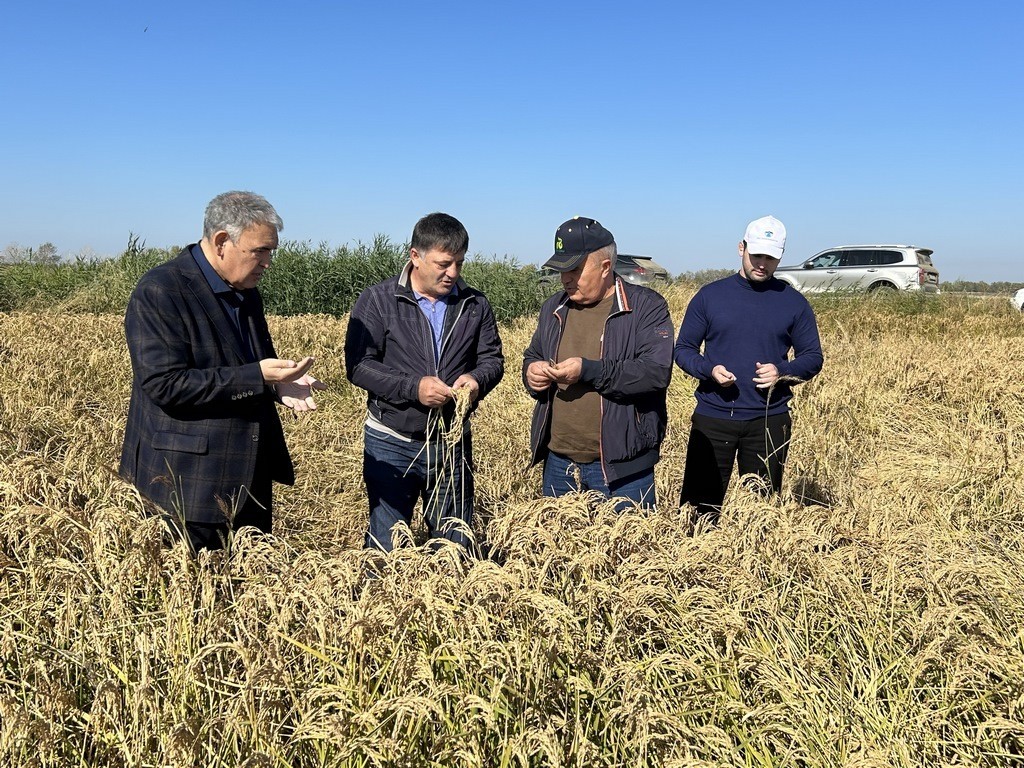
point(766, 236)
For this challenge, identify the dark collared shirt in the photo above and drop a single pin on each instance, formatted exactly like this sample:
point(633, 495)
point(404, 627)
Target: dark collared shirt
point(231, 301)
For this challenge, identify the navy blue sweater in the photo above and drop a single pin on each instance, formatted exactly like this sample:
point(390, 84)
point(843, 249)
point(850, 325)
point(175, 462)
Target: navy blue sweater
point(741, 324)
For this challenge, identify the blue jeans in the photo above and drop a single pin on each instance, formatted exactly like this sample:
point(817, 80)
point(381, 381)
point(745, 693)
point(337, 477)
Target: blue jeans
point(560, 479)
point(397, 472)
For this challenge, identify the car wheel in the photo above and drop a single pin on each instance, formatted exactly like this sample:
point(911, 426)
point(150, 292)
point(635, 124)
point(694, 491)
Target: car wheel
point(883, 289)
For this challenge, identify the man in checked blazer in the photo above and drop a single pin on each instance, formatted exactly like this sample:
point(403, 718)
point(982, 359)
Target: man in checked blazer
point(203, 439)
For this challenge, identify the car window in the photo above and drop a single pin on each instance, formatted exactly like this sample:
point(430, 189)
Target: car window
point(924, 259)
point(890, 257)
point(825, 260)
point(862, 258)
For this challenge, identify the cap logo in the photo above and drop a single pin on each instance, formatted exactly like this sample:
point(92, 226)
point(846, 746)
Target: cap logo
point(768, 233)
point(558, 245)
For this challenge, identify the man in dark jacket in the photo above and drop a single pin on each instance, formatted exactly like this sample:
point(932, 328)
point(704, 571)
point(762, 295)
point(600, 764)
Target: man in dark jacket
point(413, 343)
point(598, 366)
point(203, 439)
point(735, 340)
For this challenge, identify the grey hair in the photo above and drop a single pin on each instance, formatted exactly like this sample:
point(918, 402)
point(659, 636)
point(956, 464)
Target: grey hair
point(610, 251)
point(234, 212)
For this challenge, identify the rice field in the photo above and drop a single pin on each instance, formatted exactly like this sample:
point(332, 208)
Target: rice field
point(872, 616)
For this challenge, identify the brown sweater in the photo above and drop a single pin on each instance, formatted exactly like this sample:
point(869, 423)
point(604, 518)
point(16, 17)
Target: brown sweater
point(576, 410)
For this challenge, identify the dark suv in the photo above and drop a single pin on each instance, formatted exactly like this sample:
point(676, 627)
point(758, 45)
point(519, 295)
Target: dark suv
point(865, 267)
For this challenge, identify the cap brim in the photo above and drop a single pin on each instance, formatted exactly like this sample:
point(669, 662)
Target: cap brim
point(764, 249)
point(565, 262)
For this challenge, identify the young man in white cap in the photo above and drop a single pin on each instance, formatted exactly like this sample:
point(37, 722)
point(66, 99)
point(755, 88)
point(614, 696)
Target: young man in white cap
point(747, 324)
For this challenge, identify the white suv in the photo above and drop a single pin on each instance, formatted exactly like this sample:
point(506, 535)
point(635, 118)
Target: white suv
point(865, 267)
point(1018, 300)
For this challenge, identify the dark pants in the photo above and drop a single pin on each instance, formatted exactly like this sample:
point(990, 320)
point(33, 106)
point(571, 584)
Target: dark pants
point(256, 509)
point(560, 473)
point(397, 473)
point(758, 445)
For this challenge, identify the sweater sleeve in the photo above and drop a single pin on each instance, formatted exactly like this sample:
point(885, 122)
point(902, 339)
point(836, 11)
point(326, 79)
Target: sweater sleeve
point(808, 358)
point(692, 333)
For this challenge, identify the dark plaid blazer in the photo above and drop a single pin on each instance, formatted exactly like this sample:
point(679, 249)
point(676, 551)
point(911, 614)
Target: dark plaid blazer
point(199, 411)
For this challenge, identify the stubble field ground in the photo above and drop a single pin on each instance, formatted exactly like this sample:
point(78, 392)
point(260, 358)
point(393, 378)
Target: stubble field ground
point(872, 616)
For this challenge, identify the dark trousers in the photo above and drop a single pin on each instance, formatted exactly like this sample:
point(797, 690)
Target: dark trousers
point(759, 446)
point(255, 509)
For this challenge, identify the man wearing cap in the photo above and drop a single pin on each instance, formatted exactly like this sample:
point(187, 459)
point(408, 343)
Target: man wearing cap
point(747, 324)
point(598, 367)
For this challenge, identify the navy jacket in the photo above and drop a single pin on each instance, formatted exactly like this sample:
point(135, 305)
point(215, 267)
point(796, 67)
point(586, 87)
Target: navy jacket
point(389, 347)
point(632, 378)
point(198, 409)
point(740, 324)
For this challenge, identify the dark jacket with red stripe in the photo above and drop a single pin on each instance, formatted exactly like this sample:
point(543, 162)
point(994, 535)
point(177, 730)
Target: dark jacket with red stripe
point(631, 376)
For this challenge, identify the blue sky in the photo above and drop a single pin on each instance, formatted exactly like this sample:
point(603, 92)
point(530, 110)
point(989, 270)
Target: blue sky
point(672, 123)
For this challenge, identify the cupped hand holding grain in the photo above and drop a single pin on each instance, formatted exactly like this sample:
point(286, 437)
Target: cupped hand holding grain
point(298, 394)
point(275, 371)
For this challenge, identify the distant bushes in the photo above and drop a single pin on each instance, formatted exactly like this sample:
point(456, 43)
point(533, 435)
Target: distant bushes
point(304, 279)
point(86, 285)
point(979, 286)
point(36, 286)
point(703, 276)
point(512, 289)
point(320, 280)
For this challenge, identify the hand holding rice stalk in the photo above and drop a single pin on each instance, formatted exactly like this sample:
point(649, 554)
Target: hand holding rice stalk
point(444, 454)
point(451, 433)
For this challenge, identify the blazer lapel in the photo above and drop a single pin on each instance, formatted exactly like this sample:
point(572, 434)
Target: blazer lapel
point(211, 306)
point(258, 332)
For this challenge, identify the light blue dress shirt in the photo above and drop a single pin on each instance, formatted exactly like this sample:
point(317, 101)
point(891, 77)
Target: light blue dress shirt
point(435, 312)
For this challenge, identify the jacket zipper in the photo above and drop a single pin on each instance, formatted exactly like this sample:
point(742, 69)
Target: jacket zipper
point(451, 330)
point(549, 404)
point(600, 426)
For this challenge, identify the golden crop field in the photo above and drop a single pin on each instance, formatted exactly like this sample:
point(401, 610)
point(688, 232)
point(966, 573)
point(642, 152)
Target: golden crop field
point(872, 616)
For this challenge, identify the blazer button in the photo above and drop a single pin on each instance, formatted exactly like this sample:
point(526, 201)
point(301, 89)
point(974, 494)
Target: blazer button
point(250, 393)
point(255, 438)
point(234, 397)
